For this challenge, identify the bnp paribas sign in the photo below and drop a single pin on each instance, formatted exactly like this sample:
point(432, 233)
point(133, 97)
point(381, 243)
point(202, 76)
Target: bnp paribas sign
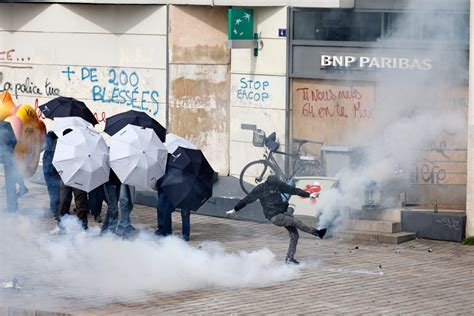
point(240, 29)
point(375, 62)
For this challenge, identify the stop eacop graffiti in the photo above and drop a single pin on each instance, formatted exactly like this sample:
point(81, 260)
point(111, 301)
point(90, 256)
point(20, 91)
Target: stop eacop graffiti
point(253, 90)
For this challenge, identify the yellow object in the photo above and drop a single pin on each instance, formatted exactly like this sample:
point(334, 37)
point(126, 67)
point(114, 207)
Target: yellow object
point(30, 135)
point(27, 115)
point(6, 105)
point(29, 131)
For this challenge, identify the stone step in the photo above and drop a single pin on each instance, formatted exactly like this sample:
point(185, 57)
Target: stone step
point(385, 238)
point(374, 226)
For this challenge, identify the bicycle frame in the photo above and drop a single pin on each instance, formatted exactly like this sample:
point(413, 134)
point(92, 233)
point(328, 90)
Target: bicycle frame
point(271, 159)
point(269, 162)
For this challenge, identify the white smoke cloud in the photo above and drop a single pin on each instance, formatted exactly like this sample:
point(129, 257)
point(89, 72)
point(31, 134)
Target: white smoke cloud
point(411, 111)
point(110, 269)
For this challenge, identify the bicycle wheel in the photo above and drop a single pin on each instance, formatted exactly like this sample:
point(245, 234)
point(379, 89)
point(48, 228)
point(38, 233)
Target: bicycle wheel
point(255, 173)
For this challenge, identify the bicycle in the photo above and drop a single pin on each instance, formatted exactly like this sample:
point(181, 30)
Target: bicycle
point(257, 171)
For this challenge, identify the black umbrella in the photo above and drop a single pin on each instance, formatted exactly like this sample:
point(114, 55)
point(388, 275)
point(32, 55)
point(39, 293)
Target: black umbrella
point(7, 140)
point(66, 107)
point(188, 180)
point(115, 123)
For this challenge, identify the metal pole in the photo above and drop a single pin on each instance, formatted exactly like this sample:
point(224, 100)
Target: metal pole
point(167, 100)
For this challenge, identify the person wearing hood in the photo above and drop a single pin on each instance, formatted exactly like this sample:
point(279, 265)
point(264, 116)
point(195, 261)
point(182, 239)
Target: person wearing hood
point(275, 209)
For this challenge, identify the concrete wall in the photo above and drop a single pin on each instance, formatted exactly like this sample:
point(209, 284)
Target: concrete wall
point(112, 57)
point(258, 88)
point(200, 80)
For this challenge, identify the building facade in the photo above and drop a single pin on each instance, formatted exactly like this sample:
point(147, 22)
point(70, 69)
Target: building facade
point(325, 72)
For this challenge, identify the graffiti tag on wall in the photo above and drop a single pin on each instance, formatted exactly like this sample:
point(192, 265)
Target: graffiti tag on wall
point(29, 88)
point(333, 102)
point(116, 86)
point(250, 90)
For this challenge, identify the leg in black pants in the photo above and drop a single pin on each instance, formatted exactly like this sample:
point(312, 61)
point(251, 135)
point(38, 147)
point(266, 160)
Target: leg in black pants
point(96, 197)
point(186, 223)
point(293, 232)
point(80, 199)
point(292, 225)
point(65, 194)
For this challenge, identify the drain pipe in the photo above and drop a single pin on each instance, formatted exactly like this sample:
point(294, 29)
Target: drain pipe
point(167, 100)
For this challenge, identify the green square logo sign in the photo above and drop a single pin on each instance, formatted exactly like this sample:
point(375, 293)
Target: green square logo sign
point(240, 24)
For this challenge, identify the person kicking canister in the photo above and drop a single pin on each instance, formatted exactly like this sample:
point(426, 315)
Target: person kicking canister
point(276, 210)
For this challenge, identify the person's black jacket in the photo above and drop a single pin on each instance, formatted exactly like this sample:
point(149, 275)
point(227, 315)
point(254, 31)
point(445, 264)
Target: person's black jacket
point(269, 194)
point(113, 178)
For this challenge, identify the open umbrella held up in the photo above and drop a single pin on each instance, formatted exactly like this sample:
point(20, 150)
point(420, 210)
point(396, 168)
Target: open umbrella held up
point(137, 156)
point(65, 107)
point(174, 141)
point(117, 122)
point(81, 159)
point(188, 180)
point(60, 124)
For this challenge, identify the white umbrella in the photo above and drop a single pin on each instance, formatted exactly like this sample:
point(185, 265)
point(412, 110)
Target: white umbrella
point(137, 156)
point(81, 159)
point(60, 124)
point(174, 141)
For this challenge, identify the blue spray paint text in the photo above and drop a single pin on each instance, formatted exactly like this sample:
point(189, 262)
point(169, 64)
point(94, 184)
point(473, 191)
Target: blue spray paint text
point(253, 90)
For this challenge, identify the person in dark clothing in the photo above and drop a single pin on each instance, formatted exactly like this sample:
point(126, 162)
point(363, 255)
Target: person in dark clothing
point(52, 177)
point(80, 199)
point(95, 199)
point(7, 146)
point(10, 183)
point(164, 208)
point(276, 210)
point(111, 193)
point(164, 212)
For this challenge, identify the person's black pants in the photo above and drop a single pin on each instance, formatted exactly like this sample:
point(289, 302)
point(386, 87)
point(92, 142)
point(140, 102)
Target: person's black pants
point(80, 199)
point(96, 197)
point(292, 225)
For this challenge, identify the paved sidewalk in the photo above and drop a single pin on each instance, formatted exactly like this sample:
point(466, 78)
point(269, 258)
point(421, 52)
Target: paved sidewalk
point(419, 277)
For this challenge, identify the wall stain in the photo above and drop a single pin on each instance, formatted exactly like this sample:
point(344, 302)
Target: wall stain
point(200, 111)
point(190, 123)
point(198, 93)
point(217, 54)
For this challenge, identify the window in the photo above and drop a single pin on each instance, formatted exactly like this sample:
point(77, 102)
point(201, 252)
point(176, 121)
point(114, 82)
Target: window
point(426, 26)
point(345, 25)
point(337, 25)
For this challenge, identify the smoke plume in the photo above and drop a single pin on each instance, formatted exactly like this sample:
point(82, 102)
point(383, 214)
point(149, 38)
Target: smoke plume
point(412, 112)
point(79, 265)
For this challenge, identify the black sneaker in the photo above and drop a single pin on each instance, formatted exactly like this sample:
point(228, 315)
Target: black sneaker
point(159, 233)
point(321, 232)
point(291, 261)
